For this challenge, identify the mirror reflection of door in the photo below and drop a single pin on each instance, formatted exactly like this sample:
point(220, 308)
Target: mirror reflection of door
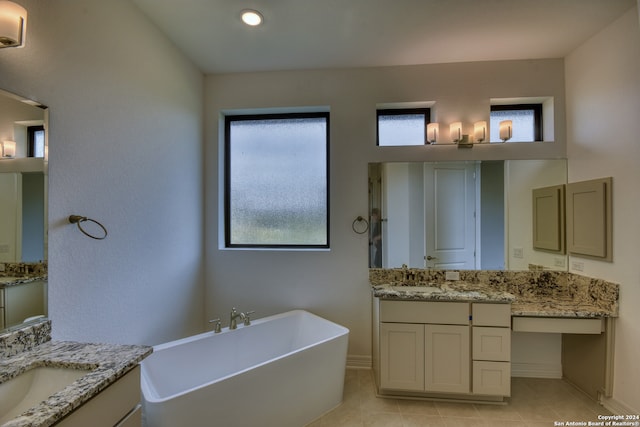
point(450, 215)
point(429, 210)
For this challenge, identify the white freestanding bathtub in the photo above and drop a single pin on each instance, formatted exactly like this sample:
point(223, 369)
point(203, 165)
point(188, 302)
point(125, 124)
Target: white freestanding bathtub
point(283, 370)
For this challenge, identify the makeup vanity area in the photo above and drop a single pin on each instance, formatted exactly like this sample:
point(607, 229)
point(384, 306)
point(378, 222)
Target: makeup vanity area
point(443, 326)
point(450, 339)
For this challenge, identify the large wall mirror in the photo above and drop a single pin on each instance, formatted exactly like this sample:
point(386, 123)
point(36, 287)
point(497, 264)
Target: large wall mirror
point(473, 215)
point(23, 208)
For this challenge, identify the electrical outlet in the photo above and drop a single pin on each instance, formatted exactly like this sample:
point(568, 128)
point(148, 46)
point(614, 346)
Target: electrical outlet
point(577, 265)
point(4, 249)
point(558, 262)
point(452, 275)
point(518, 253)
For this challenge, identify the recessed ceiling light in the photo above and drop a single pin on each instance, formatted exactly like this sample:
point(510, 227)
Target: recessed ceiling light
point(251, 17)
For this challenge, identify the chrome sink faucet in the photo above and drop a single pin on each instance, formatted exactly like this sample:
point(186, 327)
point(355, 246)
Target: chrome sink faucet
point(233, 323)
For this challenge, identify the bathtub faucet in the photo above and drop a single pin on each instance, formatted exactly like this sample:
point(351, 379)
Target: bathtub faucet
point(233, 323)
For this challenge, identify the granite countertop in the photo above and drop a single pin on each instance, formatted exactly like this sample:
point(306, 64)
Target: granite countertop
point(542, 307)
point(531, 293)
point(6, 281)
point(447, 291)
point(106, 362)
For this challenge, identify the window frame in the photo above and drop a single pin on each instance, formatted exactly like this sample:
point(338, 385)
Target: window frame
point(31, 139)
point(426, 111)
point(537, 116)
point(228, 120)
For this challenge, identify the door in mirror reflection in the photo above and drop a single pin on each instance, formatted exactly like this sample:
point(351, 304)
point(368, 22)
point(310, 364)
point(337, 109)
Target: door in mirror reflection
point(429, 215)
point(450, 215)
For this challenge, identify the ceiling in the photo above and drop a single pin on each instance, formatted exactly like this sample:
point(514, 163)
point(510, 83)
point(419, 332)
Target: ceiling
point(307, 34)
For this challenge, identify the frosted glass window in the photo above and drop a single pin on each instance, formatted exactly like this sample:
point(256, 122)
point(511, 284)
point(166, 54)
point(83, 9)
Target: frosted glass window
point(526, 122)
point(38, 144)
point(402, 127)
point(277, 180)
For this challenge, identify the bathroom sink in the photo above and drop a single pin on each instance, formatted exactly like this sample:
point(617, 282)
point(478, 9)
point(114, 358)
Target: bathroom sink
point(32, 387)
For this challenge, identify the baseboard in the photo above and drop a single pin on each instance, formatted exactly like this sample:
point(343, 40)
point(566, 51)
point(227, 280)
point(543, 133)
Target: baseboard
point(358, 362)
point(536, 370)
point(617, 407)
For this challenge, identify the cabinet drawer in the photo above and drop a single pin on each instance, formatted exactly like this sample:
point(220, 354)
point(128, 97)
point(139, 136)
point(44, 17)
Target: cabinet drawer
point(558, 325)
point(492, 378)
point(491, 314)
point(448, 313)
point(491, 343)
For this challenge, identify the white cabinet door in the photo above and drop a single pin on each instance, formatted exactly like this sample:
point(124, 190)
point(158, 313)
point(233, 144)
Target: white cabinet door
point(402, 356)
point(447, 358)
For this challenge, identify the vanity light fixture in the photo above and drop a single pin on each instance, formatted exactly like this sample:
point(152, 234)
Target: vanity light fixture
point(506, 130)
point(480, 131)
point(13, 24)
point(455, 130)
point(433, 129)
point(252, 17)
point(8, 149)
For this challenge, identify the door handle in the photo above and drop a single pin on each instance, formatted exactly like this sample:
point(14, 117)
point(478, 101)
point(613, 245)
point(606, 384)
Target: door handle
point(429, 258)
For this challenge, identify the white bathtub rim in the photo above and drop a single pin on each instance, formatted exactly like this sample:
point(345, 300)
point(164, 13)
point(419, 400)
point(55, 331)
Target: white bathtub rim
point(150, 394)
point(255, 322)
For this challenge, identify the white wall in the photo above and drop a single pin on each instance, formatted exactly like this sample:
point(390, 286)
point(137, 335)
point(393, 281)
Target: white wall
point(335, 284)
point(125, 149)
point(603, 107)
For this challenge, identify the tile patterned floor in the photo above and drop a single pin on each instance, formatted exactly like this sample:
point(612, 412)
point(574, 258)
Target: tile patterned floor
point(534, 403)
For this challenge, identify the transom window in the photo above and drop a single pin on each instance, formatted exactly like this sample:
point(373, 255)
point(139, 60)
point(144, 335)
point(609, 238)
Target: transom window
point(277, 180)
point(403, 126)
point(35, 141)
point(526, 118)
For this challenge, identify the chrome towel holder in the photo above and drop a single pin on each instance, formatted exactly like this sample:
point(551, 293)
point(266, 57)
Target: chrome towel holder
point(79, 219)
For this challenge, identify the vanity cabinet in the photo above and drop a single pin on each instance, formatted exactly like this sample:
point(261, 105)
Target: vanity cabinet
point(117, 406)
point(424, 348)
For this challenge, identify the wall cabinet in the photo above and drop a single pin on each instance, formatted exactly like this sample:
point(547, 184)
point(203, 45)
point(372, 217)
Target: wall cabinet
point(589, 219)
point(548, 218)
point(442, 348)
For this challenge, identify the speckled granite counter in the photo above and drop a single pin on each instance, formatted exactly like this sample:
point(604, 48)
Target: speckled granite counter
point(531, 293)
point(107, 363)
point(6, 282)
point(447, 291)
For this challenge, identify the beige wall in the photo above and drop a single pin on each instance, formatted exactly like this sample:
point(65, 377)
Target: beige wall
point(603, 106)
point(334, 283)
point(125, 149)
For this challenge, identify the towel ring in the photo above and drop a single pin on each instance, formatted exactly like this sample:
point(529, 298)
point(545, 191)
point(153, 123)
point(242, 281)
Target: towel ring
point(356, 225)
point(78, 219)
